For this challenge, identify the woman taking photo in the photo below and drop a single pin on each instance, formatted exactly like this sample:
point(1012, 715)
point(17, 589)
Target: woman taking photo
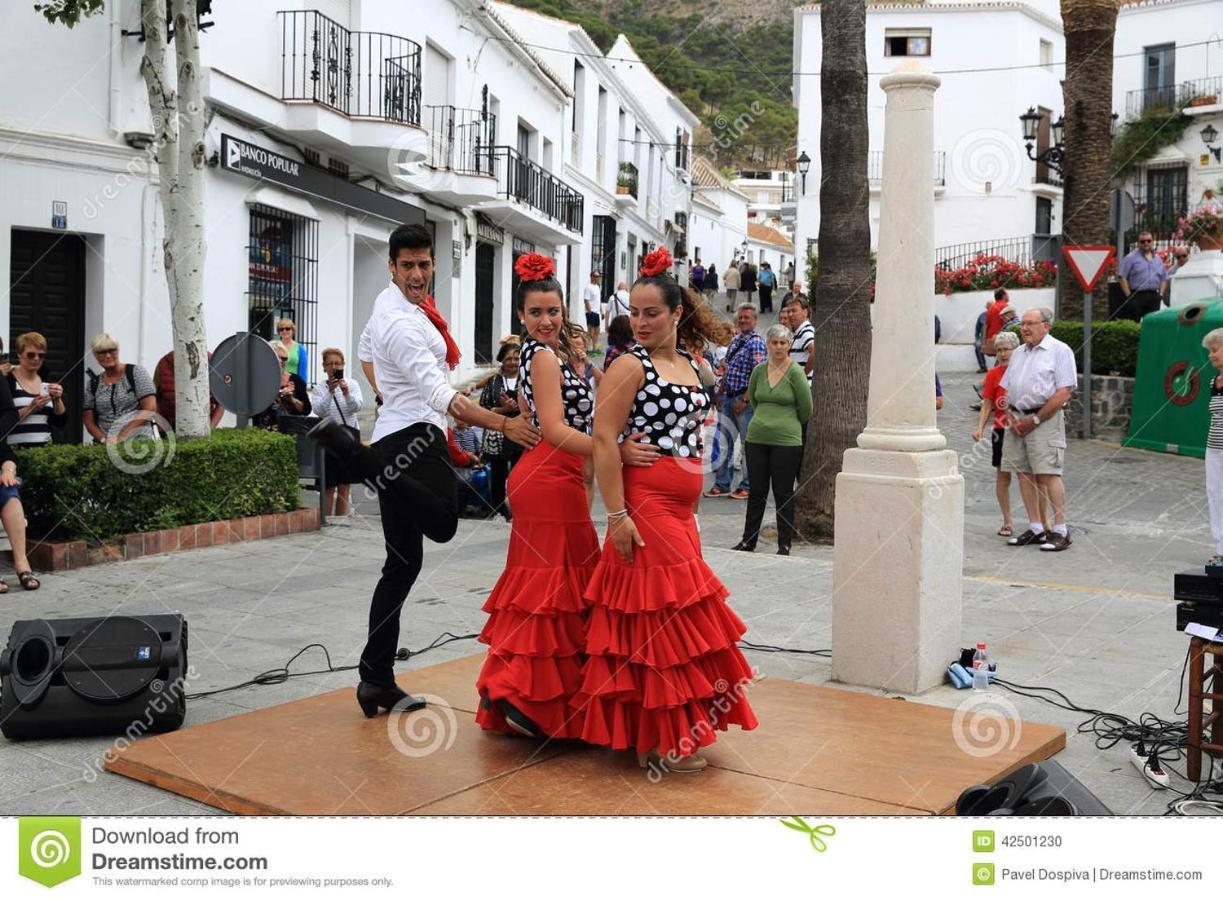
point(780, 397)
point(339, 400)
point(535, 624)
point(40, 405)
point(292, 399)
point(500, 395)
point(661, 640)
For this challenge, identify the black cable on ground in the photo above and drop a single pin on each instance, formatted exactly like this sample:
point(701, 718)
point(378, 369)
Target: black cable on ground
point(769, 648)
point(281, 674)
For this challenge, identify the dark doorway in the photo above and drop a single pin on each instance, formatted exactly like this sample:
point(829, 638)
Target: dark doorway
point(47, 295)
point(1044, 216)
point(486, 256)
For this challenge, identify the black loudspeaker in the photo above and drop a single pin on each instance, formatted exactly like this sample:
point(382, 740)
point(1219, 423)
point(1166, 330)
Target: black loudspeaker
point(96, 676)
point(1038, 789)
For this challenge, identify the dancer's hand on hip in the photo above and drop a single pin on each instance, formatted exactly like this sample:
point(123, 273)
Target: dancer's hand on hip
point(635, 453)
point(623, 533)
point(522, 432)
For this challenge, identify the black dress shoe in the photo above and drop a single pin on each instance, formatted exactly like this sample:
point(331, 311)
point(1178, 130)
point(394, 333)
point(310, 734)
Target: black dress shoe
point(744, 545)
point(372, 697)
point(518, 720)
point(783, 551)
point(334, 437)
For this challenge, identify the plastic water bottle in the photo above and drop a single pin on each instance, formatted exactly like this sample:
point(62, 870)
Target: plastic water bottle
point(980, 669)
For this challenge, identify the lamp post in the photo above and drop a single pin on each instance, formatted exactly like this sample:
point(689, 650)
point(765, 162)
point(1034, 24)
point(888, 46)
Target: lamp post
point(804, 166)
point(1052, 156)
point(1209, 135)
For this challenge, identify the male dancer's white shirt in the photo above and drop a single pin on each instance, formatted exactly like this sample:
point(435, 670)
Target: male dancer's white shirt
point(409, 357)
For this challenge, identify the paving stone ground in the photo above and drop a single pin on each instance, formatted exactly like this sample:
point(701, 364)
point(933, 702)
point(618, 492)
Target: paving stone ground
point(1096, 621)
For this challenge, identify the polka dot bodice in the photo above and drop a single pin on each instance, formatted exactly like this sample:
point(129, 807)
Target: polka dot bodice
point(575, 391)
point(671, 415)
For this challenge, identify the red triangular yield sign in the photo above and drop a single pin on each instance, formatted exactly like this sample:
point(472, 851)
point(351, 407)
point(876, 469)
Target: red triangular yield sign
point(1087, 261)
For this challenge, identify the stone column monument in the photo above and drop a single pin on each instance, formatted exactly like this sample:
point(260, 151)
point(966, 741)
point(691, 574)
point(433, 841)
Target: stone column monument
point(900, 497)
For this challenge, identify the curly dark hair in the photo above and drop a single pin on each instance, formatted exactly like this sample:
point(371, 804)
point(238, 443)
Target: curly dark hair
point(696, 324)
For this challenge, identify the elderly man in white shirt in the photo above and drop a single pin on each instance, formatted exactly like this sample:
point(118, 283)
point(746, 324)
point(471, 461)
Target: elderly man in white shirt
point(411, 351)
point(1039, 381)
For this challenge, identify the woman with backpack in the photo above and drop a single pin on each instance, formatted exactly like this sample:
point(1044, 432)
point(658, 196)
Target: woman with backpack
point(119, 401)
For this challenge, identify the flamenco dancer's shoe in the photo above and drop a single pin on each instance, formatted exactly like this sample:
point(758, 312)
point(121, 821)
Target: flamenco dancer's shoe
point(371, 698)
point(680, 765)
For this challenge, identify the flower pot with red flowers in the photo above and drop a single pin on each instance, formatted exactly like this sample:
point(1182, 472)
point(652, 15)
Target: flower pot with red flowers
point(1204, 227)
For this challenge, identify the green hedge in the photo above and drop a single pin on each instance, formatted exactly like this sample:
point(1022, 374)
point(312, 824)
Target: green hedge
point(77, 492)
point(1114, 345)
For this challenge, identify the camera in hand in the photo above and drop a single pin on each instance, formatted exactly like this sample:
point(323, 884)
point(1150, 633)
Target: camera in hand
point(337, 375)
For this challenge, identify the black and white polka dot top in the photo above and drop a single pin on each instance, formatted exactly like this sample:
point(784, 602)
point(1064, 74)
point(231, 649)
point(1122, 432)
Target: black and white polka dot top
point(671, 415)
point(575, 391)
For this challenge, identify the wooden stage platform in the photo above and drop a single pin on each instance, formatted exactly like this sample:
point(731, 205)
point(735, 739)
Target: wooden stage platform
point(818, 750)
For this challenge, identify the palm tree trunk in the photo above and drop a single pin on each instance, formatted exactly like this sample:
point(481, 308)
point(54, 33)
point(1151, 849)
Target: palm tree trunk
point(841, 301)
point(1089, 27)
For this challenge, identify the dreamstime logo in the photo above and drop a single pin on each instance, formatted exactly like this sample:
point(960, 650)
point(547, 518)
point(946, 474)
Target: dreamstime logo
point(49, 849)
point(986, 723)
point(140, 452)
point(408, 157)
point(987, 156)
point(423, 732)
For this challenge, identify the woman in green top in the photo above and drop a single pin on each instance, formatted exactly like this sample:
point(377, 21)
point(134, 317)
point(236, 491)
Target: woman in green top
point(781, 404)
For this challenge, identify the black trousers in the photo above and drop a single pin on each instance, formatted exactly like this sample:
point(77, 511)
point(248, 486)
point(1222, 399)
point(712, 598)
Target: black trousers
point(418, 496)
point(496, 483)
point(766, 298)
point(767, 463)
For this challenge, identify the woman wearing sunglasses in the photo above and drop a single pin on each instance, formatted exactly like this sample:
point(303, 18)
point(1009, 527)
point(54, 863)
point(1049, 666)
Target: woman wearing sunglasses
point(40, 404)
point(295, 353)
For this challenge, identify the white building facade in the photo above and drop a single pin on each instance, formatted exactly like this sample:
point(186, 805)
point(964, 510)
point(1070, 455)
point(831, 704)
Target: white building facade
point(330, 123)
point(996, 59)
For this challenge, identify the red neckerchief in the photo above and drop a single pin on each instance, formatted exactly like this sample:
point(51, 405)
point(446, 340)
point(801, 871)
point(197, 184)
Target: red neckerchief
point(429, 308)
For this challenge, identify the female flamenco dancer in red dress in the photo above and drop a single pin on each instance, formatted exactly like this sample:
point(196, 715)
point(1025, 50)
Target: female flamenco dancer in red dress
point(536, 612)
point(663, 671)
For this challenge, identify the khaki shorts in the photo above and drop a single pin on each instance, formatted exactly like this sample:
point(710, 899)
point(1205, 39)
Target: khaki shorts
point(1041, 451)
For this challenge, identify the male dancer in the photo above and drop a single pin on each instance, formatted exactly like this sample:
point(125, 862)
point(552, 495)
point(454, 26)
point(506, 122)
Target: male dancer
point(410, 347)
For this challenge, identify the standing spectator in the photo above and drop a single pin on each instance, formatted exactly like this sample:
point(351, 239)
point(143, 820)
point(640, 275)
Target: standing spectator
point(40, 405)
point(993, 396)
point(710, 285)
point(292, 398)
point(767, 281)
point(795, 290)
point(298, 365)
point(617, 303)
point(580, 361)
point(978, 339)
point(340, 400)
point(1038, 383)
point(593, 298)
point(167, 404)
point(696, 276)
point(12, 515)
point(747, 281)
point(730, 281)
point(746, 352)
point(121, 400)
point(619, 339)
point(781, 400)
point(795, 315)
point(1213, 342)
point(1176, 259)
point(723, 334)
point(790, 275)
point(501, 396)
point(993, 320)
point(1142, 276)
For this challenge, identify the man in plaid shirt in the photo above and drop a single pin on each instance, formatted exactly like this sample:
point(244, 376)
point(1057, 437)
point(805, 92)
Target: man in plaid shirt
point(745, 352)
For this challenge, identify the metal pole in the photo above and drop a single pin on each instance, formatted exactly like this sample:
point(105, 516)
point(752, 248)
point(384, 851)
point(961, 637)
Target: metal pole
point(1086, 365)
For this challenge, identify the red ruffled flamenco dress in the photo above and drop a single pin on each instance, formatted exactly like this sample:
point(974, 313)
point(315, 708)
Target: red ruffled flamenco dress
point(664, 671)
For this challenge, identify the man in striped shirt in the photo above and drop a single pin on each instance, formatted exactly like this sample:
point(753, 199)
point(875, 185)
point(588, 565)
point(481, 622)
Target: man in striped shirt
point(795, 315)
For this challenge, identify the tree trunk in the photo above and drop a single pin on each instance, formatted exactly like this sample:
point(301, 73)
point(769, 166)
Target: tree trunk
point(1089, 27)
point(178, 124)
point(841, 301)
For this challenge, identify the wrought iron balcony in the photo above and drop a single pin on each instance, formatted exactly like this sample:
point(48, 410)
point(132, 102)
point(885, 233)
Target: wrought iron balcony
point(626, 180)
point(874, 167)
point(1174, 96)
point(523, 180)
point(361, 74)
point(461, 140)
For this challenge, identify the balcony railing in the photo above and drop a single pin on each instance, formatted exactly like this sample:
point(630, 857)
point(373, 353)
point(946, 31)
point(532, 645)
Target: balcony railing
point(1173, 96)
point(874, 167)
point(535, 186)
point(956, 256)
point(461, 140)
point(362, 74)
point(626, 180)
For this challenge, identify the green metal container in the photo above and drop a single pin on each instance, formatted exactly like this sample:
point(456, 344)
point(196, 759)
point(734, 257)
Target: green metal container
point(1172, 381)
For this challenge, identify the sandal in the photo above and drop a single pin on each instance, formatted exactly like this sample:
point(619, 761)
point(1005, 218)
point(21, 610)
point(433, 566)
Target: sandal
point(28, 581)
point(3, 587)
point(1005, 531)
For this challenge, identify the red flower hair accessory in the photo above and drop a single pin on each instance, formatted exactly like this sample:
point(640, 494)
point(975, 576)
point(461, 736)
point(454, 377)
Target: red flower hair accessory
point(657, 262)
point(534, 267)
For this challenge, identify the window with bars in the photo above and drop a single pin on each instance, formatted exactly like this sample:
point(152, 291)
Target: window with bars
point(282, 276)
